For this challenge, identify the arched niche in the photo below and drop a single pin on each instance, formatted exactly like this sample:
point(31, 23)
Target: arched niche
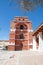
point(21, 26)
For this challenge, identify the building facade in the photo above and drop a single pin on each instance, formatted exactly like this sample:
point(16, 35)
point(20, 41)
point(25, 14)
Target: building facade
point(20, 34)
point(4, 44)
point(38, 38)
point(22, 37)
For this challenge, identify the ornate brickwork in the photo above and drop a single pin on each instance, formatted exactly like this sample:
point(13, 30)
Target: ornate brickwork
point(20, 34)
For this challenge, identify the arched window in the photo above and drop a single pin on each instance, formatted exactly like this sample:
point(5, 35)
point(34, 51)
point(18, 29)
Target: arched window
point(21, 36)
point(21, 26)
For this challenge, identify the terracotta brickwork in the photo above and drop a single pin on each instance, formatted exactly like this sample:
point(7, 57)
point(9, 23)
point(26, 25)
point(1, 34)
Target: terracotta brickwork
point(20, 34)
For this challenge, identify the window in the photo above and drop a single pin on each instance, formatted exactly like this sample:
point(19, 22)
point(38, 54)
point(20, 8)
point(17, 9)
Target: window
point(21, 26)
point(21, 36)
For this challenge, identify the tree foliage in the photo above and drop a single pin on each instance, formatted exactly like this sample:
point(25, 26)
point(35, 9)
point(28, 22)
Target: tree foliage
point(29, 5)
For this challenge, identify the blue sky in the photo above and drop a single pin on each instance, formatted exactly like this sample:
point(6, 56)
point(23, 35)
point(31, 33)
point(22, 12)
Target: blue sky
point(8, 12)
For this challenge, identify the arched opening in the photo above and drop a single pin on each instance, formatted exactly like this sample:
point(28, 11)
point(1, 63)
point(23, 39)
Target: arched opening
point(21, 26)
point(21, 36)
point(19, 47)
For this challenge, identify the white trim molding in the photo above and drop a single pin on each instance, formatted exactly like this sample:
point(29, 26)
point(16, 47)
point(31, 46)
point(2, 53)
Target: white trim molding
point(21, 30)
point(30, 30)
point(11, 44)
point(12, 30)
point(30, 44)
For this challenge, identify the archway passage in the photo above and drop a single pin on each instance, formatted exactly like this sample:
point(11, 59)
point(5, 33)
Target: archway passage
point(18, 46)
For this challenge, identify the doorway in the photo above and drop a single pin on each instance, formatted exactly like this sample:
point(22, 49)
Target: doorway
point(18, 46)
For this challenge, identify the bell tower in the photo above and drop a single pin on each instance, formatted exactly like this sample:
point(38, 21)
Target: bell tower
point(20, 37)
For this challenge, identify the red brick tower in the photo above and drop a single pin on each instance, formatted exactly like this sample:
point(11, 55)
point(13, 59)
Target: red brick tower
point(20, 34)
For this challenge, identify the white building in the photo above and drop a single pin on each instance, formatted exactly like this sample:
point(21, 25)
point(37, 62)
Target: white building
point(38, 38)
point(3, 44)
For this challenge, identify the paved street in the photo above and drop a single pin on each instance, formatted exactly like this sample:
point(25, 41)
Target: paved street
point(21, 58)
